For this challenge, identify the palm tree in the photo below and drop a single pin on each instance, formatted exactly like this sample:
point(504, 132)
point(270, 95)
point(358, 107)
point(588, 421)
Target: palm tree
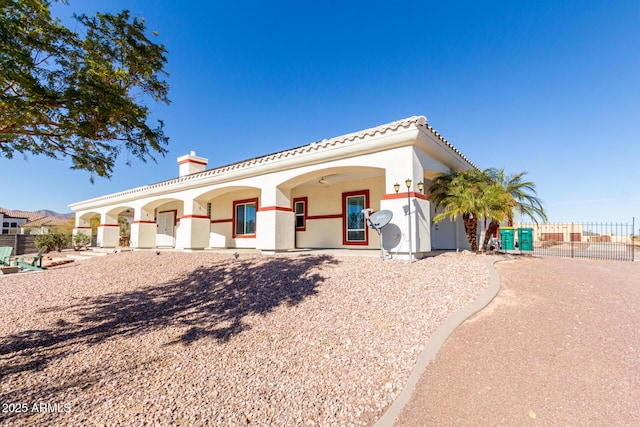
point(513, 195)
point(491, 194)
point(462, 194)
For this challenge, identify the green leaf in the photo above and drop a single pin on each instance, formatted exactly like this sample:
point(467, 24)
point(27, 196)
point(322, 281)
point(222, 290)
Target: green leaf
point(67, 95)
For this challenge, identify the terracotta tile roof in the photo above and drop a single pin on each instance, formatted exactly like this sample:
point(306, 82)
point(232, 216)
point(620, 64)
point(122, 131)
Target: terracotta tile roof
point(48, 221)
point(454, 149)
point(29, 216)
point(417, 121)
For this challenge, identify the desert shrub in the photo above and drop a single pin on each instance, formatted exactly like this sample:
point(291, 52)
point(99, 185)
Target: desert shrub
point(52, 241)
point(81, 241)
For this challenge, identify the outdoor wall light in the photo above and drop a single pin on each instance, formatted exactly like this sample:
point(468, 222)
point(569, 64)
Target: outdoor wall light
point(396, 187)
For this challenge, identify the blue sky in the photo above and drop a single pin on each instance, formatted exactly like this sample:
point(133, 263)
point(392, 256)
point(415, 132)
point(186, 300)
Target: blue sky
point(548, 87)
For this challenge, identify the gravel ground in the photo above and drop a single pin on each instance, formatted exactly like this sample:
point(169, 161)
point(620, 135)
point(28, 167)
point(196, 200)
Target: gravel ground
point(206, 339)
point(558, 346)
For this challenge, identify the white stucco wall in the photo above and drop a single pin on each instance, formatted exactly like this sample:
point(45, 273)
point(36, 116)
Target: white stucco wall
point(326, 200)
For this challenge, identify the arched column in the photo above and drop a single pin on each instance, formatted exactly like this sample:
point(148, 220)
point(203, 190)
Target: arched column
point(194, 227)
point(143, 229)
point(82, 226)
point(275, 220)
point(108, 231)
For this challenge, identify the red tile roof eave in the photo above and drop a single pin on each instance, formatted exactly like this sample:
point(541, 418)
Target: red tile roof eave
point(418, 121)
point(405, 123)
point(450, 146)
point(29, 216)
point(47, 221)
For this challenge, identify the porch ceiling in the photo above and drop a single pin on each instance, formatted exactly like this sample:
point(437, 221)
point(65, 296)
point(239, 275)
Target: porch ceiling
point(328, 178)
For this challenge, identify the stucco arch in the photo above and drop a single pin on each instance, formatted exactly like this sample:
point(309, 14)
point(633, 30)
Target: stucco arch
point(221, 203)
point(144, 228)
point(83, 224)
point(211, 194)
point(111, 232)
point(332, 175)
point(121, 210)
point(318, 200)
point(84, 219)
point(154, 204)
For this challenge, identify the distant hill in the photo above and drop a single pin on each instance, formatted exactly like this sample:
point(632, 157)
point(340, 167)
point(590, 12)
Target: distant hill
point(46, 212)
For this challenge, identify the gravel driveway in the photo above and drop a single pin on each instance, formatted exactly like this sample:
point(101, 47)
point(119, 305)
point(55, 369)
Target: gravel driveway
point(200, 338)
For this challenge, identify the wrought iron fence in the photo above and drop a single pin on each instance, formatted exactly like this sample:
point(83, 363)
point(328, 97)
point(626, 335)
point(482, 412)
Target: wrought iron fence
point(608, 241)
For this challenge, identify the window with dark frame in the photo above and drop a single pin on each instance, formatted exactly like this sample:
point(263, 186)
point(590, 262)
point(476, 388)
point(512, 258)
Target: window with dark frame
point(356, 231)
point(300, 211)
point(354, 228)
point(245, 218)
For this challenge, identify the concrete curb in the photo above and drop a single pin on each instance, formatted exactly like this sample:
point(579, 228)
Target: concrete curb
point(436, 341)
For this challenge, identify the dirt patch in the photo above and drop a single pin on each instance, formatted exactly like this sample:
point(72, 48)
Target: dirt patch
point(558, 347)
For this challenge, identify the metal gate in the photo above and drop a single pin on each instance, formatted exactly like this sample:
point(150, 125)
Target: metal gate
point(607, 241)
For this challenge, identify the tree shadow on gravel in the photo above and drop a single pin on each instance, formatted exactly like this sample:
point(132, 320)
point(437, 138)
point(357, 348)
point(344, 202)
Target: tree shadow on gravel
point(211, 301)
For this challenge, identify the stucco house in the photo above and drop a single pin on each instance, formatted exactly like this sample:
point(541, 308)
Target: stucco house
point(12, 220)
point(311, 196)
point(44, 225)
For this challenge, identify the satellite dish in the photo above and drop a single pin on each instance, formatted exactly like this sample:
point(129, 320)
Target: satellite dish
point(377, 221)
point(380, 219)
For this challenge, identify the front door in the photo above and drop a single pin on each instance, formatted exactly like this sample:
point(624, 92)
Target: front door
point(166, 221)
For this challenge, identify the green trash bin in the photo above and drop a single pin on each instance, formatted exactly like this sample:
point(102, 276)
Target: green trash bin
point(506, 238)
point(525, 239)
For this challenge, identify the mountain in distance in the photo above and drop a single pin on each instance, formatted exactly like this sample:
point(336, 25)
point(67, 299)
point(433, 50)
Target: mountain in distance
point(46, 212)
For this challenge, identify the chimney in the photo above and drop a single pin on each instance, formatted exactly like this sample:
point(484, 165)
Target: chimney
point(190, 163)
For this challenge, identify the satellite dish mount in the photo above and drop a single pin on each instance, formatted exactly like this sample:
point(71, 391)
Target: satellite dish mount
point(376, 221)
